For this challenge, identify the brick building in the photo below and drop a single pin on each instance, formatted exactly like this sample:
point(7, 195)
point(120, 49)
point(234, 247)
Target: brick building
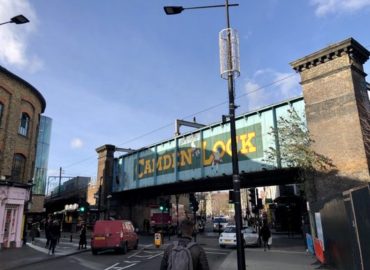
point(20, 108)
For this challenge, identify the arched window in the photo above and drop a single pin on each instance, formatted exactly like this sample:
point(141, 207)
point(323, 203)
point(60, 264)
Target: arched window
point(25, 123)
point(19, 166)
point(1, 112)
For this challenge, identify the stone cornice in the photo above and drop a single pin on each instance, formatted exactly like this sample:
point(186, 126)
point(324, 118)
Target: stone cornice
point(349, 46)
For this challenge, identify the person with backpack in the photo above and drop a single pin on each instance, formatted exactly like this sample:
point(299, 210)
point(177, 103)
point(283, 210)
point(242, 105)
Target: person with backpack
point(185, 254)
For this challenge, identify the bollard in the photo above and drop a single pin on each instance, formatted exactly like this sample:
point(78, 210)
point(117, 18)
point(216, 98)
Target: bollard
point(70, 239)
point(157, 240)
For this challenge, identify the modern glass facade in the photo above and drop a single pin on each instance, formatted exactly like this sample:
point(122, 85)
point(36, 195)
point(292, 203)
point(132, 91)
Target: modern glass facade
point(42, 156)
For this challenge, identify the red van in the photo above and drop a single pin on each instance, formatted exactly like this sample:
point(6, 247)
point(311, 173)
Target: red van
point(119, 235)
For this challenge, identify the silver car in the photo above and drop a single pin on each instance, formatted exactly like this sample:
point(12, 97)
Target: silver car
point(228, 237)
point(251, 237)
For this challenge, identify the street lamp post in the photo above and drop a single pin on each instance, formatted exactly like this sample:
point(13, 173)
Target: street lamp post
point(229, 70)
point(20, 19)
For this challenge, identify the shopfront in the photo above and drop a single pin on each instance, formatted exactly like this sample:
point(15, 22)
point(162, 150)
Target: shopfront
point(12, 201)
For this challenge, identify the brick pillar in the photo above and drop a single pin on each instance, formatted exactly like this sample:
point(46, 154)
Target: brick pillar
point(337, 112)
point(105, 174)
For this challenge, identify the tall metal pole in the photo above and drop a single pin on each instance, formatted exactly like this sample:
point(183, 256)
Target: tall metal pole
point(234, 154)
point(60, 181)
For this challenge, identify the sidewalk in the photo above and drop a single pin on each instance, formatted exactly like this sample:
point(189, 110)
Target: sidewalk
point(35, 252)
point(285, 254)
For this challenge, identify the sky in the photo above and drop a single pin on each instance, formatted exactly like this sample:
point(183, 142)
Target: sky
point(120, 72)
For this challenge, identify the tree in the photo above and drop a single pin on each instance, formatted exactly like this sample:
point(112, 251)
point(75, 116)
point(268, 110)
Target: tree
point(294, 150)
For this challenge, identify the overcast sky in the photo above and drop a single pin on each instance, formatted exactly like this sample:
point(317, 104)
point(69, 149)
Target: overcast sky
point(120, 72)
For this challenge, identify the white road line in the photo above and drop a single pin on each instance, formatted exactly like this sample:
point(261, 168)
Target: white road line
point(133, 255)
point(142, 256)
point(131, 261)
point(155, 256)
point(112, 266)
point(115, 267)
point(220, 253)
point(43, 250)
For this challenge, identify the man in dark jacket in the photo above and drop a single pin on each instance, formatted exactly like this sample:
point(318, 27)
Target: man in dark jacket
point(198, 254)
point(265, 234)
point(54, 236)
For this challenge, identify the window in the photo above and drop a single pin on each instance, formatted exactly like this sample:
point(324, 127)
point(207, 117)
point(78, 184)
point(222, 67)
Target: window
point(25, 122)
point(19, 165)
point(1, 112)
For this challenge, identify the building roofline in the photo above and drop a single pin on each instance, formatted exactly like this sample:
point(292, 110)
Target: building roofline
point(27, 84)
point(348, 46)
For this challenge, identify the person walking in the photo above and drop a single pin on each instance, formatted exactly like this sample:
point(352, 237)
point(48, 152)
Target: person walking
point(48, 225)
point(54, 236)
point(265, 234)
point(184, 254)
point(82, 244)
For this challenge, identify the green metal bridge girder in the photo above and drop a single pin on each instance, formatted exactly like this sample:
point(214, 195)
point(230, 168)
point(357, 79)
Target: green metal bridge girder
point(205, 153)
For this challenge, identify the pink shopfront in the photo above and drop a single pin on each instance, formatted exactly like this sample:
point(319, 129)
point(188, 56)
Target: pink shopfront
point(12, 201)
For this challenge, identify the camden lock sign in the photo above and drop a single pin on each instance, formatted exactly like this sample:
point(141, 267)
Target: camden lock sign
point(199, 150)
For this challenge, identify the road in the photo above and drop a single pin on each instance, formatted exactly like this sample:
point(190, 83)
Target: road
point(146, 257)
point(286, 253)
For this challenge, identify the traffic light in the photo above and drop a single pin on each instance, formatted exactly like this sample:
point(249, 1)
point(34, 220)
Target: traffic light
point(81, 209)
point(231, 196)
point(167, 205)
point(193, 202)
point(162, 205)
point(252, 196)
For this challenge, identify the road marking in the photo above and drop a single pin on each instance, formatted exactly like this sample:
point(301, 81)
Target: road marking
point(135, 254)
point(155, 256)
point(131, 261)
point(43, 250)
point(220, 253)
point(142, 256)
point(112, 266)
point(115, 267)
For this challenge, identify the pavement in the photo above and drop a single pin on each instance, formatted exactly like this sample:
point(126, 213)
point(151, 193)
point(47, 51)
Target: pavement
point(35, 251)
point(286, 253)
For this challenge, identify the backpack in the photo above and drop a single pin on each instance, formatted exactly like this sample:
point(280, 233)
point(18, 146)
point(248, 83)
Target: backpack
point(180, 257)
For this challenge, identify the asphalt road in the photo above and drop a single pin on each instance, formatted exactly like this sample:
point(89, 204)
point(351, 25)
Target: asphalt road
point(286, 253)
point(147, 257)
point(143, 259)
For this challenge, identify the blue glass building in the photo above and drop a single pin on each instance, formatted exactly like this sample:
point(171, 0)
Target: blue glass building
point(42, 156)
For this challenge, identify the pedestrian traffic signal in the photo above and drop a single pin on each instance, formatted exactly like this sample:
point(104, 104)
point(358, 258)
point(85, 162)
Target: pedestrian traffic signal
point(231, 196)
point(252, 196)
point(194, 204)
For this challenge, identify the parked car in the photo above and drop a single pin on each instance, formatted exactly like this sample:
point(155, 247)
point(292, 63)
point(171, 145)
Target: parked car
point(119, 235)
point(219, 223)
point(228, 237)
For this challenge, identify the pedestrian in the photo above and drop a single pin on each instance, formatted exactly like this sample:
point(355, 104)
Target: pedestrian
point(265, 234)
point(48, 225)
point(184, 253)
point(54, 236)
point(82, 244)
